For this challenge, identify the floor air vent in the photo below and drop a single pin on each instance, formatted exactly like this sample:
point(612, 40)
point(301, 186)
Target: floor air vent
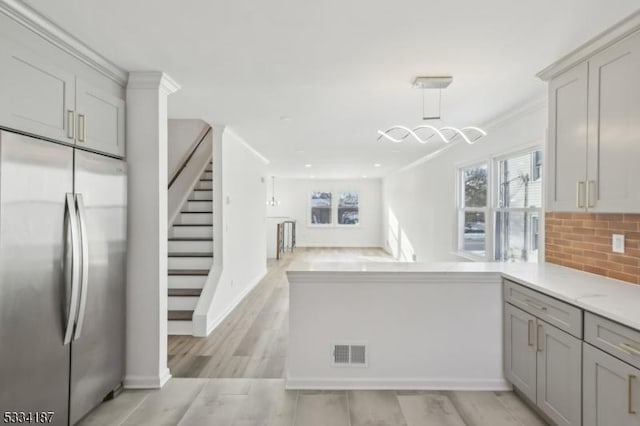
point(349, 355)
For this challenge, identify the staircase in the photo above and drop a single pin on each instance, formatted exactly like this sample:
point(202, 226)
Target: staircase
point(190, 252)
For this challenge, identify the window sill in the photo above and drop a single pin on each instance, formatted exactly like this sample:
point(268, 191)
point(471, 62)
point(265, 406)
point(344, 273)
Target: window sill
point(469, 256)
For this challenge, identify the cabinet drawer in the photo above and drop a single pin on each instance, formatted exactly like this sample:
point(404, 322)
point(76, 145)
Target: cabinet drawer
point(616, 339)
point(555, 312)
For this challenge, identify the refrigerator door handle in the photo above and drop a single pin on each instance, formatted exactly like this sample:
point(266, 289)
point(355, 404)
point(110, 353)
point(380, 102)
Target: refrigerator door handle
point(72, 220)
point(84, 280)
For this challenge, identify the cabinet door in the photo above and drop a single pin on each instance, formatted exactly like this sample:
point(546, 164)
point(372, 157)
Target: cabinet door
point(614, 140)
point(100, 122)
point(559, 366)
point(519, 350)
point(37, 97)
point(567, 153)
point(611, 393)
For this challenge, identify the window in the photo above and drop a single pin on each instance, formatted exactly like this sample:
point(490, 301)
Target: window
point(348, 208)
point(473, 209)
point(519, 206)
point(321, 208)
point(501, 221)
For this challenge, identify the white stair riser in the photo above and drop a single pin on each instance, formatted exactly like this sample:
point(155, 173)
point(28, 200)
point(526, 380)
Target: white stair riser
point(192, 231)
point(182, 303)
point(190, 262)
point(201, 195)
point(204, 184)
point(180, 328)
point(186, 281)
point(190, 246)
point(198, 206)
point(193, 219)
point(207, 175)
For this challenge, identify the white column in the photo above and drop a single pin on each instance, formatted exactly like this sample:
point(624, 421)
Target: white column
point(146, 354)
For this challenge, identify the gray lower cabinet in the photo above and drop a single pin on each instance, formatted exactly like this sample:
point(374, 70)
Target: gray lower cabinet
point(545, 364)
point(611, 390)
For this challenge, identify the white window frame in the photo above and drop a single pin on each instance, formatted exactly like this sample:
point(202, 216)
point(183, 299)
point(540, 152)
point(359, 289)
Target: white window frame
point(492, 202)
point(337, 207)
point(334, 210)
point(309, 207)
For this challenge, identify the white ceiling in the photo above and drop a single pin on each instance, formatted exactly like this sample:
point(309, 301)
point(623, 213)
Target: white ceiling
point(340, 69)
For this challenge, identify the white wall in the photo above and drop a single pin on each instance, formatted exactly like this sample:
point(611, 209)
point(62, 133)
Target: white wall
point(182, 136)
point(422, 330)
point(294, 196)
point(420, 202)
point(242, 223)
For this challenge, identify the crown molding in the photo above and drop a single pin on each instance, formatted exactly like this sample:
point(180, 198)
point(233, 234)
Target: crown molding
point(46, 29)
point(597, 44)
point(152, 80)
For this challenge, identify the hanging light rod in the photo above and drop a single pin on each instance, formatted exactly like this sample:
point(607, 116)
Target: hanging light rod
point(423, 133)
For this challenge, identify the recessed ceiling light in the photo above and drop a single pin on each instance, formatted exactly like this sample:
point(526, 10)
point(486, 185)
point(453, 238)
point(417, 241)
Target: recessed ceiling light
point(364, 176)
point(312, 176)
point(377, 165)
point(285, 118)
point(299, 151)
point(307, 165)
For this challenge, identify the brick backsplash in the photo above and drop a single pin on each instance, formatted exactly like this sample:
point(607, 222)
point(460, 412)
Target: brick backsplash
point(583, 241)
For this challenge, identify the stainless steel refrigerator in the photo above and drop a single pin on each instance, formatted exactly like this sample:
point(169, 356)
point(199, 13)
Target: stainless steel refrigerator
point(62, 277)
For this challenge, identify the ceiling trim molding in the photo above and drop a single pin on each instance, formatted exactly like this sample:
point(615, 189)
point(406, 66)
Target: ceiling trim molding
point(46, 29)
point(254, 151)
point(621, 30)
point(152, 80)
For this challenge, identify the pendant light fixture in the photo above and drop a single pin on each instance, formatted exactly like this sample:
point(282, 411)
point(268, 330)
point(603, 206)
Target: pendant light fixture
point(424, 132)
point(273, 202)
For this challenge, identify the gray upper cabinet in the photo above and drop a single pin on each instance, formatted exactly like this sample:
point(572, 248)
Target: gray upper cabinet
point(49, 93)
point(100, 119)
point(567, 153)
point(614, 140)
point(520, 350)
point(559, 367)
point(611, 390)
point(594, 145)
point(37, 96)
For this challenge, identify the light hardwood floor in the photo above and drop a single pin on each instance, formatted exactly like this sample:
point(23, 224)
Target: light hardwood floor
point(234, 377)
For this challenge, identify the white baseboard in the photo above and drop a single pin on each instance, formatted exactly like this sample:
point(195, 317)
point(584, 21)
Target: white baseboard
point(397, 384)
point(147, 382)
point(218, 320)
point(179, 328)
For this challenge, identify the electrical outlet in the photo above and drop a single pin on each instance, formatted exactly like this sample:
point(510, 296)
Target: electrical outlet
point(617, 243)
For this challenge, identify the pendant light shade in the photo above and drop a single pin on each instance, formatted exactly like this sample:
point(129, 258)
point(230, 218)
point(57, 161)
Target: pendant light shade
point(273, 202)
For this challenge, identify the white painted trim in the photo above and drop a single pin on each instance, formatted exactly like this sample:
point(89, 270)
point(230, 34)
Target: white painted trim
point(147, 382)
point(597, 44)
point(34, 21)
point(217, 321)
point(319, 383)
point(255, 152)
point(152, 80)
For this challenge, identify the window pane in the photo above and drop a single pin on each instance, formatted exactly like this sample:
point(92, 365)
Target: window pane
point(520, 180)
point(348, 208)
point(321, 208)
point(475, 186)
point(517, 236)
point(474, 237)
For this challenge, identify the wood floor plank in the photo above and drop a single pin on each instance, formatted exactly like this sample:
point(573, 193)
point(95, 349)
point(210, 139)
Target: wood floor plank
point(427, 409)
point(322, 409)
point(481, 409)
point(380, 408)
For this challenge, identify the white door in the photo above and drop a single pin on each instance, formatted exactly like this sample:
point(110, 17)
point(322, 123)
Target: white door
point(614, 128)
point(567, 153)
point(37, 97)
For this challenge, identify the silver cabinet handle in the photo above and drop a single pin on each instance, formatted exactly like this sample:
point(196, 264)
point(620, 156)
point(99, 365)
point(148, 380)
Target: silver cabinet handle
point(629, 348)
point(630, 409)
point(538, 345)
point(82, 128)
point(580, 188)
point(71, 124)
point(591, 193)
point(72, 221)
point(535, 305)
point(529, 329)
point(84, 280)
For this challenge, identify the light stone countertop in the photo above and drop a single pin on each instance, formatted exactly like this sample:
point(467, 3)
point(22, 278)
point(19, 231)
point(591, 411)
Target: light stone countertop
point(613, 299)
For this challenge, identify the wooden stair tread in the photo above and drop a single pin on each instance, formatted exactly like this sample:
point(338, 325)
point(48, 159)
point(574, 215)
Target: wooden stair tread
point(206, 180)
point(193, 224)
point(201, 189)
point(192, 272)
point(190, 254)
point(196, 212)
point(180, 315)
point(191, 239)
point(185, 292)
